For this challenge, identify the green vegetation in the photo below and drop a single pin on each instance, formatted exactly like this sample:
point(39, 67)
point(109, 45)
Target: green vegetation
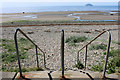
point(98, 67)
point(116, 42)
point(113, 53)
point(113, 64)
point(61, 69)
point(72, 44)
point(97, 47)
point(23, 69)
point(95, 53)
point(105, 40)
point(75, 39)
point(89, 65)
point(79, 65)
point(102, 57)
point(9, 51)
point(38, 22)
point(9, 55)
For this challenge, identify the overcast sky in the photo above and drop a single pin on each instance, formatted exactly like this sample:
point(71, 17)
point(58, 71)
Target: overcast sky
point(14, 3)
point(59, 0)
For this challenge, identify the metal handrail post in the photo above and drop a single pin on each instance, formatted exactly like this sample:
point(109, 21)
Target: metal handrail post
point(92, 40)
point(17, 51)
point(108, 48)
point(78, 57)
point(44, 61)
point(62, 53)
point(16, 44)
point(37, 56)
point(86, 57)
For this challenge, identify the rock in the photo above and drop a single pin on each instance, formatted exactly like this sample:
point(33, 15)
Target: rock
point(75, 69)
point(52, 54)
point(30, 32)
point(87, 32)
point(47, 31)
point(23, 12)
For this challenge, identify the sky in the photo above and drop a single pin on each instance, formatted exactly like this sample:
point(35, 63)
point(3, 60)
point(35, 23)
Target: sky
point(59, 0)
point(10, 3)
point(33, 4)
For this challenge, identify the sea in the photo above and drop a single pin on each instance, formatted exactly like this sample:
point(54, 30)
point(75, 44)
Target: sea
point(58, 8)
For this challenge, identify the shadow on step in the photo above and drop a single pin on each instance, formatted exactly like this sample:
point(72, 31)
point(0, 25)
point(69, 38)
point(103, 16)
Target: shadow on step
point(111, 79)
point(60, 79)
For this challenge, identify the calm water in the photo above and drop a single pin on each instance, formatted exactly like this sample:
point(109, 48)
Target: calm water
point(58, 8)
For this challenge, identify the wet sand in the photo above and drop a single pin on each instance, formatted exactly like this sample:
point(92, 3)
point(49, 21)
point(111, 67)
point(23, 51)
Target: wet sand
point(59, 16)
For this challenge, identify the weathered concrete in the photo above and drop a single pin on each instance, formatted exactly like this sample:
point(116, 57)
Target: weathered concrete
point(73, 75)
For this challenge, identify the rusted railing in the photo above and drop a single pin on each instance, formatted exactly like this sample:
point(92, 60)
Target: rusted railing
point(17, 50)
point(108, 47)
point(62, 53)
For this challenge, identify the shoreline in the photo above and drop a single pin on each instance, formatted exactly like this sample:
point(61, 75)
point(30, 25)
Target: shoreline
point(55, 12)
point(60, 18)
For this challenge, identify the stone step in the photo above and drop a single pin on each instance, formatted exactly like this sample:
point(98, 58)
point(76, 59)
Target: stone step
point(72, 75)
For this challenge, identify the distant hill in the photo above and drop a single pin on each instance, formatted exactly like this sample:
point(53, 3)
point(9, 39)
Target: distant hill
point(88, 5)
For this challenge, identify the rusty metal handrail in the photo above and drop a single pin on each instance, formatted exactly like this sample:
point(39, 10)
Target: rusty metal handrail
point(17, 51)
point(62, 58)
point(108, 47)
point(62, 53)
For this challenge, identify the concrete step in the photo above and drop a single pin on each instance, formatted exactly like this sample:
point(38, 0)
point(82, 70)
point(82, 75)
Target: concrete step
point(72, 75)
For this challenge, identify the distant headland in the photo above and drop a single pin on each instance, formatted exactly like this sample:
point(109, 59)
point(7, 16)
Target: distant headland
point(88, 5)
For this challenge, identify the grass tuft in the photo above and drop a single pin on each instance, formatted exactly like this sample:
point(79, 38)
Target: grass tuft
point(9, 51)
point(79, 65)
point(97, 47)
point(113, 53)
point(98, 67)
point(75, 39)
point(113, 64)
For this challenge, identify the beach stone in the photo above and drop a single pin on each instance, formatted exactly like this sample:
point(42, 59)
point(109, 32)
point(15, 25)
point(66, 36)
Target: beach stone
point(30, 32)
